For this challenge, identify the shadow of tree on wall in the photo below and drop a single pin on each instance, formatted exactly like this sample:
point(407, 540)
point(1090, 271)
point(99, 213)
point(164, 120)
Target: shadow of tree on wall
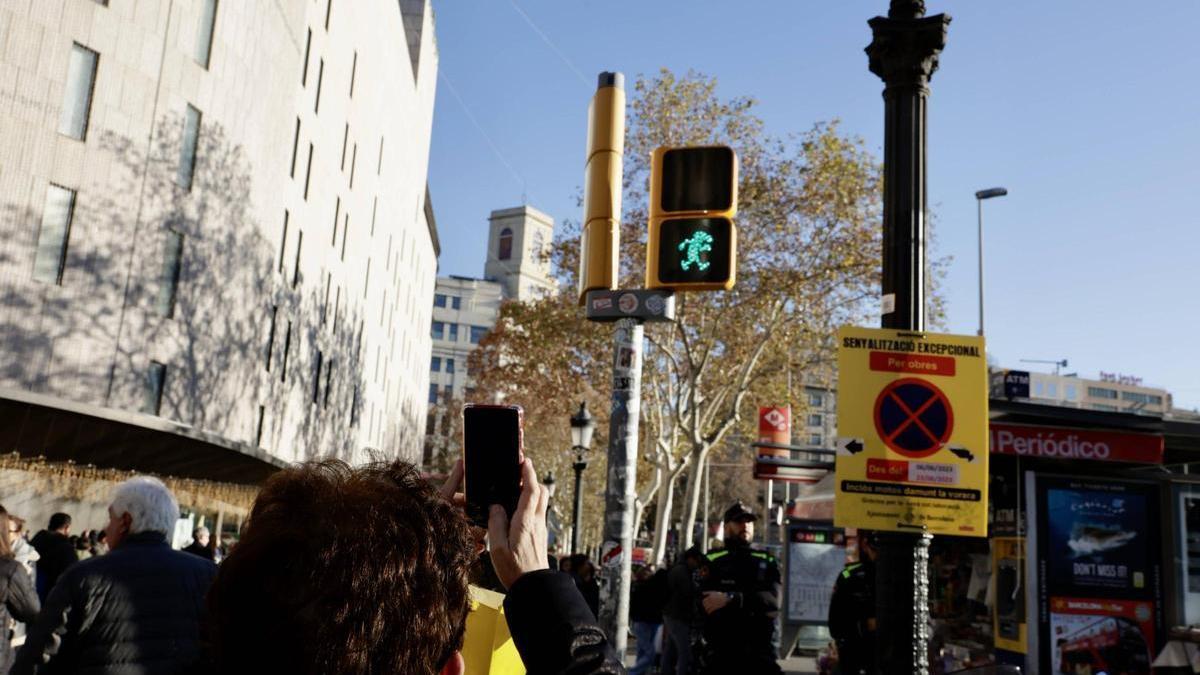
point(93, 338)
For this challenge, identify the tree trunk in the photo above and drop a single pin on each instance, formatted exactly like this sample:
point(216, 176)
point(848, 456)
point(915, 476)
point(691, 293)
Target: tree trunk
point(694, 485)
point(662, 518)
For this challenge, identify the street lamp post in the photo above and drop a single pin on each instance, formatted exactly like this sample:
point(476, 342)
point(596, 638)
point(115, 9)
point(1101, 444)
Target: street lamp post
point(582, 426)
point(979, 197)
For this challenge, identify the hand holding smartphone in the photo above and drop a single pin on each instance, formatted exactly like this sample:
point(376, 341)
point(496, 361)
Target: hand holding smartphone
point(492, 450)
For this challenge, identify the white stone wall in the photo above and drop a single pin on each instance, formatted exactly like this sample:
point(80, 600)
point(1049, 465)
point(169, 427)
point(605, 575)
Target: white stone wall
point(92, 338)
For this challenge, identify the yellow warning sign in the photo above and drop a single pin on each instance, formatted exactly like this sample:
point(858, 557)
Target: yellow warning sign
point(912, 446)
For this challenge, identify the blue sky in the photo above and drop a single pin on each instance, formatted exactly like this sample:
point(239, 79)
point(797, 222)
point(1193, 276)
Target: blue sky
point(1088, 112)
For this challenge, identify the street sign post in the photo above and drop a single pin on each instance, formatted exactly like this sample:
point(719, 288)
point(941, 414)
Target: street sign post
point(912, 451)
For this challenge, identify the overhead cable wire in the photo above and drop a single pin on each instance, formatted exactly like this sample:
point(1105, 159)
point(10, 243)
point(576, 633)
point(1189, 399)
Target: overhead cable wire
point(550, 43)
point(491, 144)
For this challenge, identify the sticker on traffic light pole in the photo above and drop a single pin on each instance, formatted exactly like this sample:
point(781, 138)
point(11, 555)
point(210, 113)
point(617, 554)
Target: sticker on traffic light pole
point(912, 432)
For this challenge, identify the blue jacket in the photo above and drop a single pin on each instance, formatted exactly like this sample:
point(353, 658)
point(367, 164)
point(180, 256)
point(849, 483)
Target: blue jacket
point(135, 609)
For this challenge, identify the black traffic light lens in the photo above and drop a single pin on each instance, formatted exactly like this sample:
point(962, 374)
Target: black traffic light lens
point(697, 179)
point(694, 249)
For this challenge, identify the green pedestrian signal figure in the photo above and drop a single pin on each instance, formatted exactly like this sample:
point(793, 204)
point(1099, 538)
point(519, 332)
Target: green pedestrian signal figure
point(695, 245)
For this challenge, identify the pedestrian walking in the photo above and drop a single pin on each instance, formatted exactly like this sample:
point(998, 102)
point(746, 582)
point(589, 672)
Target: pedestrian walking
point(18, 600)
point(55, 553)
point(852, 611)
point(584, 573)
point(647, 598)
point(740, 590)
point(679, 613)
point(135, 609)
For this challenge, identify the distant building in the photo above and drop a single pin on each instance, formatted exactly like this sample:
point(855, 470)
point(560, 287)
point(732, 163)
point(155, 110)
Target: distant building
point(465, 309)
point(1110, 393)
point(215, 222)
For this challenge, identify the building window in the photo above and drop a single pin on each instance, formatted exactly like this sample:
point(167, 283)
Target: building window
point(447, 392)
point(283, 244)
point(208, 19)
point(320, 76)
point(477, 333)
point(435, 364)
point(51, 257)
point(439, 300)
point(307, 51)
point(1101, 392)
point(430, 424)
point(271, 336)
point(1051, 390)
point(379, 162)
point(187, 149)
point(455, 302)
point(168, 283)
point(1104, 406)
point(156, 379)
point(308, 171)
point(815, 420)
point(433, 394)
point(353, 73)
point(450, 366)
point(328, 11)
point(1070, 392)
point(316, 393)
point(287, 348)
point(453, 332)
point(367, 279)
point(439, 330)
point(328, 382)
point(374, 209)
point(816, 440)
point(1038, 388)
point(353, 164)
point(345, 232)
point(325, 304)
point(295, 148)
point(337, 211)
point(506, 243)
point(816, 399)
point(296, 268)
point(77, 100)
point(345, 145)
point(258, 429)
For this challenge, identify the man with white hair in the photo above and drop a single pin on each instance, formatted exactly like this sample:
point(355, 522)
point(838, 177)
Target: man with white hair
point(200, 544)
point(136, 609)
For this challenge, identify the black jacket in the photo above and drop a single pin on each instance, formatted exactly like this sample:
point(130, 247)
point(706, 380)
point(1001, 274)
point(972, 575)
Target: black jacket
point(17, 601)
point(554, 630)
point(135, 609)
point(648, 597)
point(741, 635)
point(55, 555)
point(206, 552)
point(681, 593)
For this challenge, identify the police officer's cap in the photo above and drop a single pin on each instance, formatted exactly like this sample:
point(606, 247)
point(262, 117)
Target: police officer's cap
point(739, 512)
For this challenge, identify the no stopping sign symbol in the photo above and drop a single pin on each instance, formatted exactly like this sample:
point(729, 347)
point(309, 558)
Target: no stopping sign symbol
point(913, 417)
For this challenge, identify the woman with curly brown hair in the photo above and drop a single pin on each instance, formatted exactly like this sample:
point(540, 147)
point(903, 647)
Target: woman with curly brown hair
point(18, 599)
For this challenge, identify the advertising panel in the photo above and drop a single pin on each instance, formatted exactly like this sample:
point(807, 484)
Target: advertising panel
point(1099, 566)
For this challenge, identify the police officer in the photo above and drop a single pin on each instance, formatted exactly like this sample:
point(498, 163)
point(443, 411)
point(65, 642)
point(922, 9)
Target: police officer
point(740, 591)
point(852, 611)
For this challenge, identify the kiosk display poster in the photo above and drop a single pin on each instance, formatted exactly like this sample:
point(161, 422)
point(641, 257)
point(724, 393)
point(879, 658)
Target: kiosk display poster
point(816, 555)
point(1099, 591)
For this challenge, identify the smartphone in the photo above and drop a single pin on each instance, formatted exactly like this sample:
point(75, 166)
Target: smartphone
point(492, 452)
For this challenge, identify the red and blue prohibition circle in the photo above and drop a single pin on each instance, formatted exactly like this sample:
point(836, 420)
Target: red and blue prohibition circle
point(913, 417)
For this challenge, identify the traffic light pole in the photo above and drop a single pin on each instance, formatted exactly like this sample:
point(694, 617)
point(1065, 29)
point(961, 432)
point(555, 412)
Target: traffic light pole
point(904, 53)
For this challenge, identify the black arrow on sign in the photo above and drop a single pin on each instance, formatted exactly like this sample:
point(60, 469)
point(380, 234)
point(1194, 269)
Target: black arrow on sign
point(854, 447)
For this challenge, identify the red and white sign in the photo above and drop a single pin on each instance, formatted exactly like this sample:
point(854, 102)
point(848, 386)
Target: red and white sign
point(1065, 443)
point(775, 426)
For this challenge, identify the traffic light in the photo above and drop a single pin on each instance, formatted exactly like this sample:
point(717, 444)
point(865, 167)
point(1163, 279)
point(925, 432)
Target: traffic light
point(693, 199)
point(601, 241)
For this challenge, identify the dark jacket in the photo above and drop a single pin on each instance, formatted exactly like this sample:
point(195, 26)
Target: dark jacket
point(136, 609)
point(590, 590)
point(851, 609)
point(681, 593)
point(740, 637)
point(55, 555)
point(647, 598)
point(554, 630)
point(206, 552)
point(17, 601)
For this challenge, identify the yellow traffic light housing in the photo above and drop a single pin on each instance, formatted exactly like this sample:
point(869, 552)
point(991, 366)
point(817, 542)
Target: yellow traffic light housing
point(693, 198)
point(601, 240)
